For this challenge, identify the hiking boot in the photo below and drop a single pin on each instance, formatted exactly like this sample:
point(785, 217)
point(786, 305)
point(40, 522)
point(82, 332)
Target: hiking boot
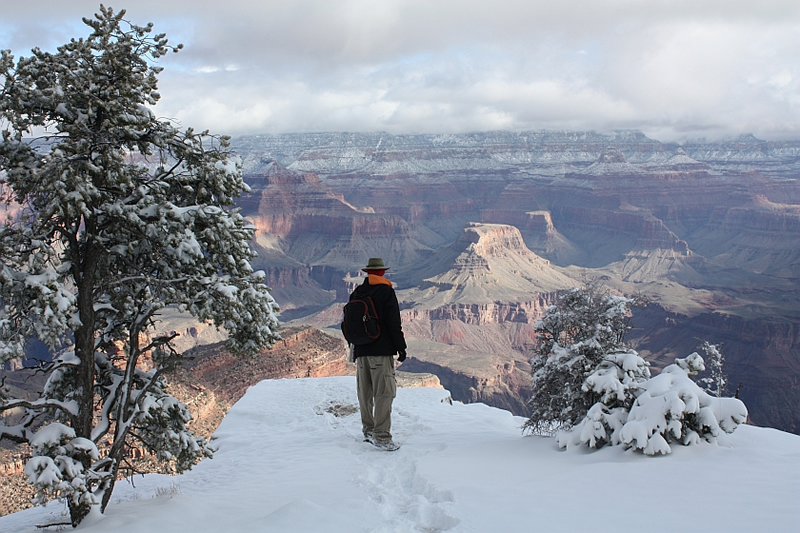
point(386, 445)
point(368, 436)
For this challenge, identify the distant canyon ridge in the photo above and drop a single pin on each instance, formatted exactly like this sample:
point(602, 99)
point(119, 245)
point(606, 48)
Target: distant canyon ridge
point(482, 230)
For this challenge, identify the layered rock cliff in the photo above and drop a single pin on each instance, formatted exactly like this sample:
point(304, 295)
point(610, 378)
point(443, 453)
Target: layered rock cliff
point(384, 154)
point(762, 237)
point(488, 263)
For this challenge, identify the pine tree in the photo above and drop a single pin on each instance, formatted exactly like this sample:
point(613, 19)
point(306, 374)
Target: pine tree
point(574, 337)
point(671, 407)
point(616, 382)
point(716, 382)
point(122, 216)
point(647, 414)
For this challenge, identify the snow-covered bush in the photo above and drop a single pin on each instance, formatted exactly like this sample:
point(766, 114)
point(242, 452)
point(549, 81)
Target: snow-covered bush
point(668, 408)
point(57, 466)
point(575, 336)
point(673, 408)
point(162, 421)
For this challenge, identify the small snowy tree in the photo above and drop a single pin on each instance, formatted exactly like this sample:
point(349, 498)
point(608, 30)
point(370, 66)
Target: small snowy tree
point(650, 414)
point(123, 215)
point(616, 382)
point(574, 337)
point(716, 382)
point(673, 408)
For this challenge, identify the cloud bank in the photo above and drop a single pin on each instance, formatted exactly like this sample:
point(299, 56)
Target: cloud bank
point(674, 69)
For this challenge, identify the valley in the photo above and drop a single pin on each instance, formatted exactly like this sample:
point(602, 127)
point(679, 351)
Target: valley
point(482, 230)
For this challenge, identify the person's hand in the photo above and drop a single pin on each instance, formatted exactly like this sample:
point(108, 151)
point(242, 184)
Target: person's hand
point(402, 356)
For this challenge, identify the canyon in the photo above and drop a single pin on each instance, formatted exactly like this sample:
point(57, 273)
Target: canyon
point(482, 230)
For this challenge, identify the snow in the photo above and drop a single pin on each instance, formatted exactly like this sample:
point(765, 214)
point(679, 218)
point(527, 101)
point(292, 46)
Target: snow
point(52, 435)
point(286, 462)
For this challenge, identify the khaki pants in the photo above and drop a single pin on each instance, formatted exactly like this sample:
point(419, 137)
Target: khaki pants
point(376, 390)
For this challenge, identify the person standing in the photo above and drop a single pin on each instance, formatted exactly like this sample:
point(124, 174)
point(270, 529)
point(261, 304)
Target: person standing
point(375, 374)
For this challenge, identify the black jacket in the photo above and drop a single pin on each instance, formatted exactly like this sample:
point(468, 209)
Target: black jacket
point(391, 340)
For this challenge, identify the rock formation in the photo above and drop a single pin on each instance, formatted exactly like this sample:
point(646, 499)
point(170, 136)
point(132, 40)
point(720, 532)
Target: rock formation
point(471, 323)
point(703, 228)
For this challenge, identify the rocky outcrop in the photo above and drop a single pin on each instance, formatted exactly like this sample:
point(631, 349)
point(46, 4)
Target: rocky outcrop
point(506, 389)
point(488, 263)
point(539, 232)
point(415, 380)
point(303, 352)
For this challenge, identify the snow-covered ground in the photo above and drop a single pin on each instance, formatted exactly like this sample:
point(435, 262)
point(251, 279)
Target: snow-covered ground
point(291, 459)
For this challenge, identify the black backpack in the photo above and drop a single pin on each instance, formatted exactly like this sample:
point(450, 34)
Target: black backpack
point(360, 324)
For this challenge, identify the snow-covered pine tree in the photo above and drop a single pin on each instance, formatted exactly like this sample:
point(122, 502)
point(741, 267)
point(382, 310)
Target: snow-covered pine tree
point(671, 407)
point(574, 336)
point(716, 382)
point(617, 381)
point(648, 414)
point(123, 215)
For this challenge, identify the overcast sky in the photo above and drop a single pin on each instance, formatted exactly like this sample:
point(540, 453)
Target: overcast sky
point(679, 69)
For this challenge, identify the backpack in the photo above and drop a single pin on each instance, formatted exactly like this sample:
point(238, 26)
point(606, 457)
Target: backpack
point(360, 324)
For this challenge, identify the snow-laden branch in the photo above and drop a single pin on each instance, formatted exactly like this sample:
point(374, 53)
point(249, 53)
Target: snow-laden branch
point(68, 407)
point(649, 414)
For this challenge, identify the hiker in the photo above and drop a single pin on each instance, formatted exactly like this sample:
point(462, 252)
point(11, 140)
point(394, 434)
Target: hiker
point(375, 361)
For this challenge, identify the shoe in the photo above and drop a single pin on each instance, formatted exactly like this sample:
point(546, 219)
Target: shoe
point(368, 437)
point(387, 446)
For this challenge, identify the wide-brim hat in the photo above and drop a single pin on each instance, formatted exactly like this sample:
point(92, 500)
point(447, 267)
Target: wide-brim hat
point(375, 263)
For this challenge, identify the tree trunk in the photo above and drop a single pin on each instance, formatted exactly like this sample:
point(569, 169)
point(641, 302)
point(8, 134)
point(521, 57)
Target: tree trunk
point(107, 485)
point(83, 422)
point(77, 512)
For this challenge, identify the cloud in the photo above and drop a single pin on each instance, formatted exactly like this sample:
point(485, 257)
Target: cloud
point(677, 68)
